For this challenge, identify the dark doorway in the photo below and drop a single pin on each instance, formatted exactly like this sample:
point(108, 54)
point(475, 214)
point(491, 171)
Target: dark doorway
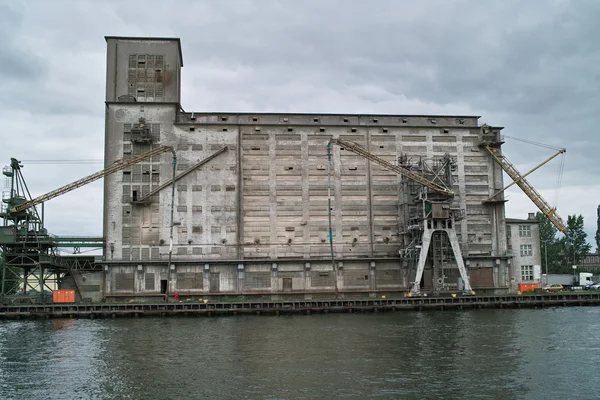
point(163, 286)
point(215, 280)
point(287, 284)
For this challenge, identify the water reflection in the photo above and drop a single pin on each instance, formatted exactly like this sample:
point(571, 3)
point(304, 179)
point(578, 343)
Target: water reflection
point(493, 354)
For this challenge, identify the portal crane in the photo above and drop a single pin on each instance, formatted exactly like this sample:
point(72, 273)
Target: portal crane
point(29, 251)
point(528, 189)
point(436, 216)
point(114, 167)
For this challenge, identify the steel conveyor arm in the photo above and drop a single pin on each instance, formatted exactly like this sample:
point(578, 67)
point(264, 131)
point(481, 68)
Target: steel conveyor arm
point(528, 189)
point(114, 167)
point(356, 149)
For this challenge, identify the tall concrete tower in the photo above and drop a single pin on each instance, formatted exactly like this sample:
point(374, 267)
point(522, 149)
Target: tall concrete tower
point(143, 81)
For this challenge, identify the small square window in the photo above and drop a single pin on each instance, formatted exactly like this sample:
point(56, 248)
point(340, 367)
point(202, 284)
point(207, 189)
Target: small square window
point(315, 119)
point(524, 231)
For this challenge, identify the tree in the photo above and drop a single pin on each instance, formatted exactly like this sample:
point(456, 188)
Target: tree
point(598, 232)
point(575, 245)
point(550, 246)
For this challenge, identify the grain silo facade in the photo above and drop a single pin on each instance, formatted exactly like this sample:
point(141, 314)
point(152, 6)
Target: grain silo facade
point(252, 192)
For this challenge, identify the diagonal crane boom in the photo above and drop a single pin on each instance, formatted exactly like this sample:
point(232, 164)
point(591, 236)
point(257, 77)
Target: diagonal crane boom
point(146, 197)
point(527, 188)
point(114, 167)
point(356, 149)
point(561, 151)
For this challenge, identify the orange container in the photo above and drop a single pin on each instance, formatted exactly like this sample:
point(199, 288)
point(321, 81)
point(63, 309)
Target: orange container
point(528, 287)
point(63, 296)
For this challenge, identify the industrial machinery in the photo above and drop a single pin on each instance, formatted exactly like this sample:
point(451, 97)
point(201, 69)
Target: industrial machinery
point(429, 218)
point(30, 258)
point(491, 145)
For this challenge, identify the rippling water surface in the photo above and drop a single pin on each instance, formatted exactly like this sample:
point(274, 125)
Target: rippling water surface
point(490, 354)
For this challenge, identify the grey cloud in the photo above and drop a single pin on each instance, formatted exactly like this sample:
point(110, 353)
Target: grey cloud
point(530, 68)
point(16, 60)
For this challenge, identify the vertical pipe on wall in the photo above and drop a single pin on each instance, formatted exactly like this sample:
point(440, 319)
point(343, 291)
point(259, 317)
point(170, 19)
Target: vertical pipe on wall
point(171, 222)
point(329, 214)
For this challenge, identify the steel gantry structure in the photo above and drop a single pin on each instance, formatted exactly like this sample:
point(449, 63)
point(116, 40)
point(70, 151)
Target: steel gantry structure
point(30, 259)
point(434, 218)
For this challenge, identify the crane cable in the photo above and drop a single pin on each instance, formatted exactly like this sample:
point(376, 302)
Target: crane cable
point(548, 146)
point(561, 166)
point(89, 161)
point(561, 169)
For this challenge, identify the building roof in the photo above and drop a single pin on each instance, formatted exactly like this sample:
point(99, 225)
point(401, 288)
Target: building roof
point(521, 221)
point(250, 113)
point(150, 38)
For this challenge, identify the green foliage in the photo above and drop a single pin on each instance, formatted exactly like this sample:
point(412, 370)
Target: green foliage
point(562, 253)
point(598, 232)
point(550, 246)
point(575, 246)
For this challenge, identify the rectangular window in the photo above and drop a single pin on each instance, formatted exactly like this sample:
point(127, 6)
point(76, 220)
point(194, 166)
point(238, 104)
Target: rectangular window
point(526, 250)
point(524, 231)
point(526, 273)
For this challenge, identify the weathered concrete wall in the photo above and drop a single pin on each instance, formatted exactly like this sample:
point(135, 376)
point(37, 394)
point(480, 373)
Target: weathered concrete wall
point(265, 200)
point(202, 279)
point(147, 69)
point(524, 247)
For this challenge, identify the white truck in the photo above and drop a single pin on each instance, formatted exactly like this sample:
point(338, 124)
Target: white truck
point(568, 281)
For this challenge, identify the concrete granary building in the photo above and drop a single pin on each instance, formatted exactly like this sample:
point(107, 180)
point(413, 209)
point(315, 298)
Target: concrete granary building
point(251, 209)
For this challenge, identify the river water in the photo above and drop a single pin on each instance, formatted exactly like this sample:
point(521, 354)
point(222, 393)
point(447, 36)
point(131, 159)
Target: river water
point(488, 354)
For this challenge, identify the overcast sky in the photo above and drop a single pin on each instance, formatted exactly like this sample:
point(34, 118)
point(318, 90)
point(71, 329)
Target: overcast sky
point(530, 66)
